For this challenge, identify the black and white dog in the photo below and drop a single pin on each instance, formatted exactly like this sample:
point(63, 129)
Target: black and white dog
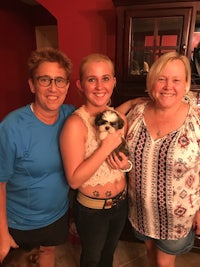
point(107, 122)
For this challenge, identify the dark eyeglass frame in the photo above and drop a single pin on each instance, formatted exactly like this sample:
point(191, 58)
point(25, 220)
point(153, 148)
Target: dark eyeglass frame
point(49, 79)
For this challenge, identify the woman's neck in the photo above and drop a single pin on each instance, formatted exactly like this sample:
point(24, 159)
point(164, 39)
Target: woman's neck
point(44, 116)
point(93, 110)
point(168, 112)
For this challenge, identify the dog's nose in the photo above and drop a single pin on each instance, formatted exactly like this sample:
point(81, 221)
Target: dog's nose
point(107, 128)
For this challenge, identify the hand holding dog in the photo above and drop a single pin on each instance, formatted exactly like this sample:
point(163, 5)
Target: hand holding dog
point(116, 163)
point(112, 141)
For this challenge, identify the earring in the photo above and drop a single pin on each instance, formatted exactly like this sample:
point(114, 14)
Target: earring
point(109, 102)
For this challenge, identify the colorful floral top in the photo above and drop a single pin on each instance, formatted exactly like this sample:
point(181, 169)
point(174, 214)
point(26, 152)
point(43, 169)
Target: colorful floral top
point(164, 184)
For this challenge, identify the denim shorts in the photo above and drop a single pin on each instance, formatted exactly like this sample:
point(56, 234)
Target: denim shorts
point(173, 247)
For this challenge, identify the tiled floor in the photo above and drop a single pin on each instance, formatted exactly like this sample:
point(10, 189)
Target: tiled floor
point(128, 254)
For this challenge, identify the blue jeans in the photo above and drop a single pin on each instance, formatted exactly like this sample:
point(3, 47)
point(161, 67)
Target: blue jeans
point(99, 231)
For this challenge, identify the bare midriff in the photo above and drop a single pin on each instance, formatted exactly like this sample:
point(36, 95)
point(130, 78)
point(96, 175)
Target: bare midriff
point(102, 190)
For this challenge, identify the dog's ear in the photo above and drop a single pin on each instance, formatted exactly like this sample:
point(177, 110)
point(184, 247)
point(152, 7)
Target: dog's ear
point(98, 119)
point(120, 123)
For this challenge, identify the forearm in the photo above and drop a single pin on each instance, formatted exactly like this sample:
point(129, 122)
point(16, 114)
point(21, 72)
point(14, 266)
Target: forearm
point(87, 168)
point(3, 216)
point(125, 107)
point(77, 167)
point(4, 234)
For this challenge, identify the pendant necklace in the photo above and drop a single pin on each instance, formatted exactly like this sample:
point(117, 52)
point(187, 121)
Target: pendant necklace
point(158, 133)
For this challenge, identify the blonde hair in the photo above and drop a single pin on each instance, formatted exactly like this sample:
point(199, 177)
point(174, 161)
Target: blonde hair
point(160, 63)
point(95, 57)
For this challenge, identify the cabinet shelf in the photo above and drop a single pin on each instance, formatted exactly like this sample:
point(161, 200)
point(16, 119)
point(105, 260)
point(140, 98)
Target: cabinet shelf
point(146, 30)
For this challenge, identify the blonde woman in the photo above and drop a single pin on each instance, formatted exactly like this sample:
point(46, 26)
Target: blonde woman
point(164, 143)
point(100, 207)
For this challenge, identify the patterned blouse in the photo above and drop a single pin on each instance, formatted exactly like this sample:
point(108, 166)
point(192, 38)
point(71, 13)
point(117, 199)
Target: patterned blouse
point(164, 184)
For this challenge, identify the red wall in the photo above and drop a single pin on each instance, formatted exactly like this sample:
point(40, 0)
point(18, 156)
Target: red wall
point(17, 38)
point(83, 27)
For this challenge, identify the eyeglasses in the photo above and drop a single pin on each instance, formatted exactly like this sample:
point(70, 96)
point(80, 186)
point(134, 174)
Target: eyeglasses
point(47, 81)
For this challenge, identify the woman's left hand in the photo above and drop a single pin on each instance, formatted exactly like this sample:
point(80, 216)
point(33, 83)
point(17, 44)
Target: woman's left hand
point(196, 222)
point(116, 163)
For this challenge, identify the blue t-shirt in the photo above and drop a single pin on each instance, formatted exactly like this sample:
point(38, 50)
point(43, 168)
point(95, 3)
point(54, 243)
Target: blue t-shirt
point(30, 163)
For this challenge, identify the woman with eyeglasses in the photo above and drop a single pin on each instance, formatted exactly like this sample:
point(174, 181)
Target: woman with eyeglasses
point(33, 188)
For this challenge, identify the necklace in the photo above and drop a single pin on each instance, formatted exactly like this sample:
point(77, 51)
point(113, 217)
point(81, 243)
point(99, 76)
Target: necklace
point(31, 106)
point(158, 133)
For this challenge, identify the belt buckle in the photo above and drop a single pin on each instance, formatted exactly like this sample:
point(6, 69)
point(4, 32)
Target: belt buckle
point(109, 203)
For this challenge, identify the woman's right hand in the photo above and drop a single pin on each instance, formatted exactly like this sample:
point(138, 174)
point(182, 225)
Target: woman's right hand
point(6, 243)
point(126, 106)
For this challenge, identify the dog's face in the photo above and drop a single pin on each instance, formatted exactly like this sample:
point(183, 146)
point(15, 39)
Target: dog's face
point(108, 121)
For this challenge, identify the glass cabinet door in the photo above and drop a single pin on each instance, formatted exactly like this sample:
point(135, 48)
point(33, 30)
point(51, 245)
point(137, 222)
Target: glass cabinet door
point(148, 36)
point(151, 37)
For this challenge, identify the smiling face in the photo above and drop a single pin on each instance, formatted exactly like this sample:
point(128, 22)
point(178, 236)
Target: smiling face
point(97, 82)
point(170, 85)
point(48, 98)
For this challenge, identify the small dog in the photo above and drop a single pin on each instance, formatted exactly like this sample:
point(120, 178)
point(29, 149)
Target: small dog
point(107, 122)
point(21, 258)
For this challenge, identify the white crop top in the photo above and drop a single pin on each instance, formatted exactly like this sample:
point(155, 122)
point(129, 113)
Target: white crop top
point(104, 173)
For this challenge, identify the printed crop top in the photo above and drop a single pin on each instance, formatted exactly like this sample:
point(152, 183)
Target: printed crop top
point(104, 173)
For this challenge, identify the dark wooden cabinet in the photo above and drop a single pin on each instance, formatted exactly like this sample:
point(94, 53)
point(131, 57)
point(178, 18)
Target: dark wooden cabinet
point(145, 30)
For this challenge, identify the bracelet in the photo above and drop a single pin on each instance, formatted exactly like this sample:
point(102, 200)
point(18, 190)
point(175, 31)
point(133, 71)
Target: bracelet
point(130, 167)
